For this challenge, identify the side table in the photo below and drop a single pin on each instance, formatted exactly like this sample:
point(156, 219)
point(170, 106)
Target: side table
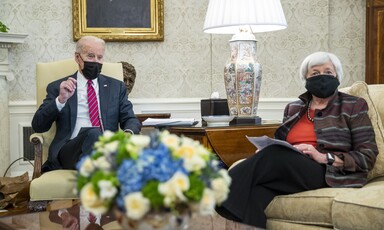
point(228, 142)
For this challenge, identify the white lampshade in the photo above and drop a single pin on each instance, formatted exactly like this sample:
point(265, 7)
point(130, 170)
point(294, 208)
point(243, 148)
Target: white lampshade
point(227, 16)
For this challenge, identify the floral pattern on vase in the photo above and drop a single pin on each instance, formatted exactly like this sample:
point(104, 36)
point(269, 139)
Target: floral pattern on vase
point(242, 78)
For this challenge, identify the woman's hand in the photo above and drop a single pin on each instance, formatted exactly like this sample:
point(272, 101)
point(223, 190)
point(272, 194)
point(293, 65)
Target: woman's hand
point(312, 152)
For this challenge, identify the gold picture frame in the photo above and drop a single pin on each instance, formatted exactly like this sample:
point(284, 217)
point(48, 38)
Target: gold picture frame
point(119, 20)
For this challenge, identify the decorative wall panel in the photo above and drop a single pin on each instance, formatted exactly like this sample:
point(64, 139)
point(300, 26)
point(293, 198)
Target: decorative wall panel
point(189, 63)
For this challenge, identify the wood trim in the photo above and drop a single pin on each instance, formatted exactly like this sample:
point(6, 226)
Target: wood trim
point(374, 55)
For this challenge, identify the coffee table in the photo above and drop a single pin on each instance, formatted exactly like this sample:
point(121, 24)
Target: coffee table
point(50, 220)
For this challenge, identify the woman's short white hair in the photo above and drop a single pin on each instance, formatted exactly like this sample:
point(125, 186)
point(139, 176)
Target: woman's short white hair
point(319, 58)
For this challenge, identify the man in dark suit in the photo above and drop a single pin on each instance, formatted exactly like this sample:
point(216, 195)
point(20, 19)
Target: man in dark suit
point(78, 126)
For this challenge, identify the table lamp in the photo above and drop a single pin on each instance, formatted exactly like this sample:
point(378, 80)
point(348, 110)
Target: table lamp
point(242, 72)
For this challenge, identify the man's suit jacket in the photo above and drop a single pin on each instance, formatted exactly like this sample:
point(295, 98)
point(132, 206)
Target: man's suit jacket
point(114, 106)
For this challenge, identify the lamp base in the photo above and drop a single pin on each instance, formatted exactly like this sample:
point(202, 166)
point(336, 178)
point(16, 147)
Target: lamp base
point(246, 121)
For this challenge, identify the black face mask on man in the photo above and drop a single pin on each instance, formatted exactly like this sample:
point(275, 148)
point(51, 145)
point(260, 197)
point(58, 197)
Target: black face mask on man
point(91, 70)
point(322, 86)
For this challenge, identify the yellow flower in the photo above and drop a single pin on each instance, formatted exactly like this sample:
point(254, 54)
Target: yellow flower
point(185, 151)
point(180, 181)
point(192, 159)
point(173, 188)
point(91, 201)
point(87, 167)
point(207, 203)
point(170, 140)
point(137, 205)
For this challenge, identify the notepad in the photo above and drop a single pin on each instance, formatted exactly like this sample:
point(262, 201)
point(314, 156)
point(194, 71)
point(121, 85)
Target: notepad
point(264, 141)
point(161, 122)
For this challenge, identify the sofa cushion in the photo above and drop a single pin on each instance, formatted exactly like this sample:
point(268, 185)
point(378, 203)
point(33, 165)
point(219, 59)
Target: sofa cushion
point(376, 91)
point(361, 209)
point(286, 225)
point(46, 187)
point(310, 207)
point(361, 89)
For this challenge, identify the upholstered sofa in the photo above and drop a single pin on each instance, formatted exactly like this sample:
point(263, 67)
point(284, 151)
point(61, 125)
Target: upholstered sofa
point(339, 208)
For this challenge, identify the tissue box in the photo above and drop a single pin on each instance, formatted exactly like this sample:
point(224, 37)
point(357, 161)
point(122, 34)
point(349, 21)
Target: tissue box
point(214, 107)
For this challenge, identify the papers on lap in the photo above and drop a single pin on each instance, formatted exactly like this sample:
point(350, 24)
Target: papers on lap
point(160, 122)
point(264, 141)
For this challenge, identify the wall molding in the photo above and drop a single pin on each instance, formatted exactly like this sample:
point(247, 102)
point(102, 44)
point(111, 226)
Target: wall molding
point(21, 114)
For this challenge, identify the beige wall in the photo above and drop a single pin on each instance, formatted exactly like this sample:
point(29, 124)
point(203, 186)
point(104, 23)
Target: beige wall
point(189, 63)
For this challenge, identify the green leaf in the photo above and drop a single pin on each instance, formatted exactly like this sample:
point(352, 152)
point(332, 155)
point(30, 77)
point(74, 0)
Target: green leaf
point(3, 28)
point(81, 181)
point(100, 175)
point(151, 192)
point(196, 188)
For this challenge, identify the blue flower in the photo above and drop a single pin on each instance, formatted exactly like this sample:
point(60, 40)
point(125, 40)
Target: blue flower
point(158, 163)
point(80, 162)
point(130, 177)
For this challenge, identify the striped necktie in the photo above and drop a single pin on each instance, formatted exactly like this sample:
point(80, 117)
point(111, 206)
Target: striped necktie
point(93, 105)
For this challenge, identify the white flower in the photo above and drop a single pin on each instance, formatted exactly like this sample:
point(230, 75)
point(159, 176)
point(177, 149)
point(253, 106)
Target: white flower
point(170, 140)
point(220, 189)
point(192, 159)
point(173, 188)
point(168, 201)
point(108, 134)
point(136, 144)
point(203, 152)
point(107, 190)
point(87, 167)
point(140, 140)
point(90, 201)
point(207, 203)
point(224, 174)
point(137, 205)
point(110, 147)
point(180, 181)
point(102, 163)
point(194, 163)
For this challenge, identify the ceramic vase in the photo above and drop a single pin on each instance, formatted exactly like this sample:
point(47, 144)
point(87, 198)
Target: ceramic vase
point(242, 77)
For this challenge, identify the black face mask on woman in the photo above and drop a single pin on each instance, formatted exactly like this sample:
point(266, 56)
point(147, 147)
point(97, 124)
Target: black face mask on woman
point(322, 86)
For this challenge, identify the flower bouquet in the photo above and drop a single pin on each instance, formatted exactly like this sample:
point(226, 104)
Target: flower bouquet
point(141, 175)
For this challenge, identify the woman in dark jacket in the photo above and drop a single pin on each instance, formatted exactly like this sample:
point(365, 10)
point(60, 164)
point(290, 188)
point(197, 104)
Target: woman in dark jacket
point(333, 134)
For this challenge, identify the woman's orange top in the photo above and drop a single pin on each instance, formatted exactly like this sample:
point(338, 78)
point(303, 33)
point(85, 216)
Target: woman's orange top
point(303, 132)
